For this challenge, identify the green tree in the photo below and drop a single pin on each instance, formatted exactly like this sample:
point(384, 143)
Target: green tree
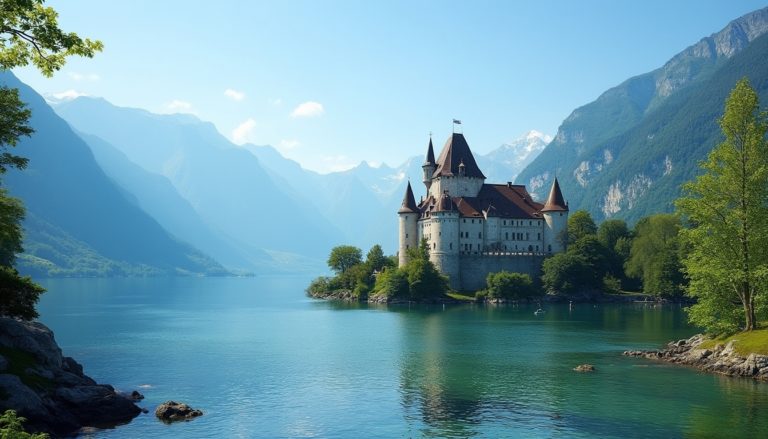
point(506, 285)
point(343, 257)
point(12, 427)
point(424, 281)
point(566, 273)
point(655, 255)
point(392, 282)
point(726, 207)
point(375, 259)
point(610, 231)
point(29, 34)
point(580, 224)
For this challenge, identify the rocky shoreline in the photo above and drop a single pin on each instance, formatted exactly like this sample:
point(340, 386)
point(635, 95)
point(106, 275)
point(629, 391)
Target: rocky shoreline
point(51, 390)
point(721, 359)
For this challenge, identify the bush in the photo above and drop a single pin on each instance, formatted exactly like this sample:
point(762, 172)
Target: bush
point(11, 427)
point(511, 286)
point(18, 295)
point(391, 282)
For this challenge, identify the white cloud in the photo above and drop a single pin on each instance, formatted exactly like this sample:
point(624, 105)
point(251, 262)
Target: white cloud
point(308, 109)
point(68, 95)
point(234, 94)
point(243, 132)
point(75, 76)
point(276, 102)
point(289, 144)
point(179, 106)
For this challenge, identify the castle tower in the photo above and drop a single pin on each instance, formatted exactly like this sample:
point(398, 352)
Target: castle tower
point(457, 171)
point(429, 165)
point(444, 245)
point(409, 217)
point(555, 214)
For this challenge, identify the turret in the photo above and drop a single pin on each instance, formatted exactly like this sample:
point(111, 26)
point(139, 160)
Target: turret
point(456, 170)
point(429, 165)
point(555, 213)
point(444, 245)
point(409, 217)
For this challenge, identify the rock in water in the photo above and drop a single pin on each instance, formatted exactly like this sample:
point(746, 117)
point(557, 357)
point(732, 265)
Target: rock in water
point(50, 390)
point(172, 411)
point(584, 368)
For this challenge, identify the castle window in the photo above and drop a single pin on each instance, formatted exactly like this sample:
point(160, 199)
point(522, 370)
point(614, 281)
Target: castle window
point(506, 235)
point(549, 247)
point(450, 246)
point(527, 236)
point(505, 222)
point(406, 236)
point(439, 233)
point(530, 223)
point(537, 248)
point(561, 213)
point(539, 237)
point(479, 235)
point(473, 221)
point(434, 246)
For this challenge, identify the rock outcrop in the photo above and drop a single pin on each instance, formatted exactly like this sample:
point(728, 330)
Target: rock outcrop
point(172, 411)
point(720, 359)
point(584, 368)
point(51, 390)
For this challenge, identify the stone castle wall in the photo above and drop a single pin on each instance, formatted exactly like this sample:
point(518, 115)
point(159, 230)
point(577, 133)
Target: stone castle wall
point(473, 269)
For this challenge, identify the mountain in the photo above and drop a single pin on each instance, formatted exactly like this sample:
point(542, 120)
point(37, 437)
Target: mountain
point(159, 198)
point(625, 154)
point(224, 183)
point(505, 162)
point(79, 222)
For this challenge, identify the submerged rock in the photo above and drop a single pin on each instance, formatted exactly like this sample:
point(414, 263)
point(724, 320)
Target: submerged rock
point(172, 411)
point(50, 390)
point(584, 368)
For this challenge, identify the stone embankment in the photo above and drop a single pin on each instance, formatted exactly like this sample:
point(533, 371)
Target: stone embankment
point(720, 359)
point(51, 390)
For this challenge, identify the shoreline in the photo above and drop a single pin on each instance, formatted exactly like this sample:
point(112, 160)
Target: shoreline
point(721, 359)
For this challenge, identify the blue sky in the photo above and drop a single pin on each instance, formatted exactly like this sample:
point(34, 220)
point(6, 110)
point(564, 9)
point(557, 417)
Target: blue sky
point(331, 83)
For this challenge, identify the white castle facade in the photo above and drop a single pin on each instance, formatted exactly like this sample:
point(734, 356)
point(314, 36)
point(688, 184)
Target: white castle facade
point(474, 228)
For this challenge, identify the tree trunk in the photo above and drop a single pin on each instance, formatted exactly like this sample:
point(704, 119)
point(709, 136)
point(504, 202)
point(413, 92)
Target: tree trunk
point(749, 312)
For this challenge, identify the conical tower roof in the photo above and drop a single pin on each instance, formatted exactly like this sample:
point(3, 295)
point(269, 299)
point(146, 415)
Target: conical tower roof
point(455, 152)
point(555, 201)
point(409, 202)
point(430, 154)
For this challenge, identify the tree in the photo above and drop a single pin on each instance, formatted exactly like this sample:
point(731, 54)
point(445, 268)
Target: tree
point(391, 282)
point(565, 273)
point(726, 208)
point(580, 224)
point(610, 231)
point(375, 259)
point(29, 34)
point(343, 257)
point(12, 427)
point(655, 255)
point(424, 281)
point(506, 285)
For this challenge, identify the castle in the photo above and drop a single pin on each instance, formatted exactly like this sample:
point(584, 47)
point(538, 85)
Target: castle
point(473, 228)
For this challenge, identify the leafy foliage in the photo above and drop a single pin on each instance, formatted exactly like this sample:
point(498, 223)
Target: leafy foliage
point(392, 283)
point(726, 207)
point(510, 286)
point(655, 256)
point(566, 273)
point(18, 295)
point(343, 257)
point(12, 427)
point(580, 224)
point(13, 125)
point(30, 34)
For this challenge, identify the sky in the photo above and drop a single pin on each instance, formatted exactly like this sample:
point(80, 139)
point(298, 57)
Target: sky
point(332, 83)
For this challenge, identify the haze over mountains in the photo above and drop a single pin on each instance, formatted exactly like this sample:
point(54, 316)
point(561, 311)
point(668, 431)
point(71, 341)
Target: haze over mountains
point(626, 154)
point(122, 191)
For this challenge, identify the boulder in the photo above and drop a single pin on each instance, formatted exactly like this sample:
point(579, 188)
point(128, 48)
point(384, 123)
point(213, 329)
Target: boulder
point(172, 411)
point(584, 368)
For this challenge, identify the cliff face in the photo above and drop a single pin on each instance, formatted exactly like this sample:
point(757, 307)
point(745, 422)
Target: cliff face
point(626, 153)
point(50, 390)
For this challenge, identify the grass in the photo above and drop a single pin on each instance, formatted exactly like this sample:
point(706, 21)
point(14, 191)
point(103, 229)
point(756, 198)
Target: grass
point(463, 297)
point(18, 363)
point(744, 343)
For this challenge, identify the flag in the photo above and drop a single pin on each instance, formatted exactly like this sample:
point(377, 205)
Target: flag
point(457, 121)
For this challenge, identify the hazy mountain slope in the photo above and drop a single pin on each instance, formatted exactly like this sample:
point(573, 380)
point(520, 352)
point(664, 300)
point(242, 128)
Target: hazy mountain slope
point(88, 225)
point(224, 183)
point(585, 133)
point(158, 197)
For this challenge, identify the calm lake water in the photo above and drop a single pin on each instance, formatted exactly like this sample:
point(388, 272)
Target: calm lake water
point(262, 360)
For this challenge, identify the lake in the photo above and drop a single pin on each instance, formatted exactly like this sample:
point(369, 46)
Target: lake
point(263, 360)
